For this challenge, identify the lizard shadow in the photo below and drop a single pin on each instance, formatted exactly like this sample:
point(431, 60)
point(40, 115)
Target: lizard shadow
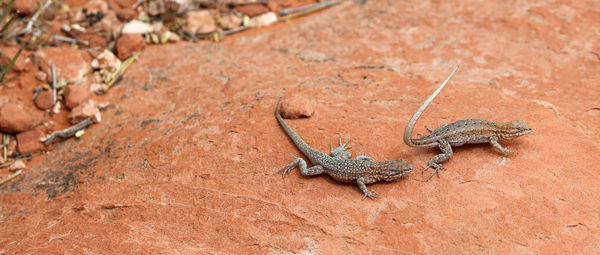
point(378, 186)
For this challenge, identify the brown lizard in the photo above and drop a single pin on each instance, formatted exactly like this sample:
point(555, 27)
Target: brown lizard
point(361, 170)
point(461, 132)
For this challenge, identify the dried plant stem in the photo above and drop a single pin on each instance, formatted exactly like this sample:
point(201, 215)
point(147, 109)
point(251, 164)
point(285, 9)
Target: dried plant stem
point(122, 69)
point(307, 9)
point(5, 141)
point(10, 177)
point(35, 17)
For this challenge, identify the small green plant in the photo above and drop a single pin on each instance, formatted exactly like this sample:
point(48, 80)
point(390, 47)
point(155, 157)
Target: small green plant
point(5, 12)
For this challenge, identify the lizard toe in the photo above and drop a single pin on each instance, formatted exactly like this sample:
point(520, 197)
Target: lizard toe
point(371, 195)
point(437, 168)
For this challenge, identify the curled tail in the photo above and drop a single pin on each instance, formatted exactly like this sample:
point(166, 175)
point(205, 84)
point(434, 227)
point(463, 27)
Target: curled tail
point(411, 124)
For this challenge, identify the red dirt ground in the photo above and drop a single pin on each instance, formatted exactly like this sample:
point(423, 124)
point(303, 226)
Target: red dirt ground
point(183, 159)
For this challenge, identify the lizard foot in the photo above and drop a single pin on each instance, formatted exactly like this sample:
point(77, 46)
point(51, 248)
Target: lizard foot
point(289, 167)
point(363, 188)
point(340, 151)
point(371, 195)
point(436, 167)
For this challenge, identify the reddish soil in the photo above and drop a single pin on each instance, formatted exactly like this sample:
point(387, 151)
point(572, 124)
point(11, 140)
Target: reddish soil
point(182, 161)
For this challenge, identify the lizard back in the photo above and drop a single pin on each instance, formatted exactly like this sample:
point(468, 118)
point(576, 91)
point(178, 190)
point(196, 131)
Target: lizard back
point(472, 131)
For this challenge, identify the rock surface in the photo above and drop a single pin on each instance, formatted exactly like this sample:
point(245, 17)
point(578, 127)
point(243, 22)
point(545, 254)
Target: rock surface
point(41, 76)
point(252, 9)
point(183, 162)
point(200, 22)
point(44, 100)
point(230, 21)
point(30, 141)
point(8, 53)
point(128, 44)
point(17, 165)
point(87, 109)
point(75, 95)
point(15, 119)
point(263, 20)
point(71, 64)
point(106, 60)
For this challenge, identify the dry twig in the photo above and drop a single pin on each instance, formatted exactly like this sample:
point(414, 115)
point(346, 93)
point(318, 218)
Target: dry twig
point(10, 177)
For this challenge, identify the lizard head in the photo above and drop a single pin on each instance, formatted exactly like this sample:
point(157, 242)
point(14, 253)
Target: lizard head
point(395, 169)
point(514, 129)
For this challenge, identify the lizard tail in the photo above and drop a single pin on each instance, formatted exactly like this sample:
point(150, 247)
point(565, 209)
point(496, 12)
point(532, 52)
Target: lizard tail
point(411, 124)
point(301, 144)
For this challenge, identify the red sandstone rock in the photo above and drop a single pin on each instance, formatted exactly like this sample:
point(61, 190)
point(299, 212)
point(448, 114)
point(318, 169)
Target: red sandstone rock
point(75, 95)
point(44, 100)
point(95, 40)
point(296, 107)
point(106, 60)
point(252, 9)
point(125, 3)
point(173, 37)
point(95, 6)
point(128, 44)
point(21, 64)
point(230, 21)
point(30, 141)
point(88, 109)
point(41, 76)
point(14, 119)
point(71, 64)
point(17, 165)
point(110, 26)
point(200, 22)
point(127, 13)
point(27, 7)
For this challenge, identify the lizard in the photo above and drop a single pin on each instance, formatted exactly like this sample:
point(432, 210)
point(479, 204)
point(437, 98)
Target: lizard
point(461, 132)
point(361, 170)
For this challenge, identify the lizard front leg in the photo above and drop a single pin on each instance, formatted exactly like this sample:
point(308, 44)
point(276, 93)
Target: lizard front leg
point(494, 142)
point(363, 187)
point(314, 170)
point(445, 155)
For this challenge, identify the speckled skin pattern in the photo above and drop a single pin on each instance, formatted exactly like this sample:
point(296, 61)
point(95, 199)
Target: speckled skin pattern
point(362, 170)
point(461, 132)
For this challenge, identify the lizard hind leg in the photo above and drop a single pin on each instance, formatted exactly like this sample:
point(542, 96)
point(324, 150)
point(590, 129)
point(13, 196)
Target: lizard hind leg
point(445, 155)
point(428, 129)
point(315, 170)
